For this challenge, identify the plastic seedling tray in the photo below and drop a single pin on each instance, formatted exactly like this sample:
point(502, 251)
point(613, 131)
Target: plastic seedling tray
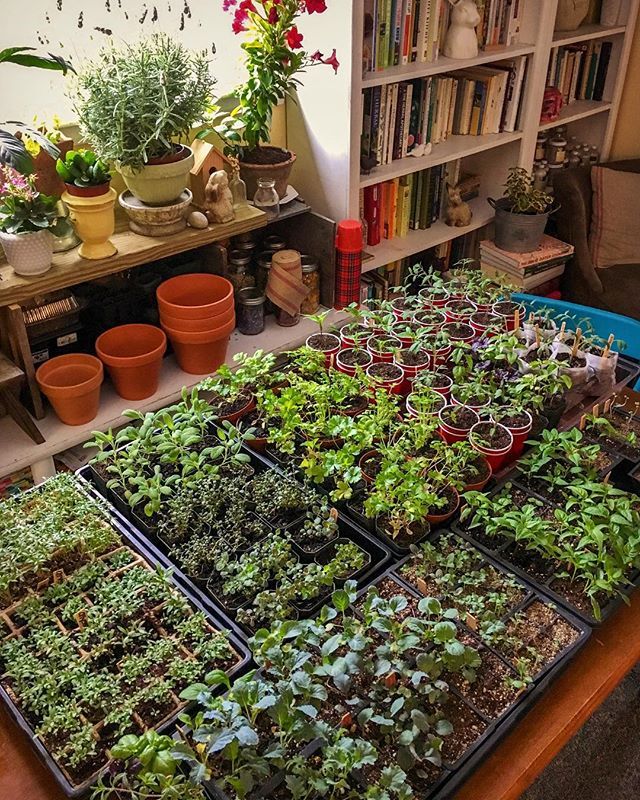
point(140, 556)
point(543, 580)
point(455, 772)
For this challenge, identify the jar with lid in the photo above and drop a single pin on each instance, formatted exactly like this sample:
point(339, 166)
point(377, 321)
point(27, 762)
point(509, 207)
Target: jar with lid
point(266, 198)
point(556, 150)
point(239, 270)
point(541, 146)
point(285, 320)
point(311, 279)
point(274, 243)
point(250, 311)
point(575, 159)
point(585, 154)
point(540, 174)
point(594, 155)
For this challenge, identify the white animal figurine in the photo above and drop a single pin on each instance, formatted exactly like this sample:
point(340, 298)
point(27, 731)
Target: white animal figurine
point(458, 213)
point(218, 198)
point(461, 41)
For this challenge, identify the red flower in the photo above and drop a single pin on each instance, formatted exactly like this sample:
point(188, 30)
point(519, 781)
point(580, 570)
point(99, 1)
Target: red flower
point(241, 16)
point(317, 56)
point(294, 38)
point(226, 4)
point(319, 6)
point(332, 61)
point(273, 17)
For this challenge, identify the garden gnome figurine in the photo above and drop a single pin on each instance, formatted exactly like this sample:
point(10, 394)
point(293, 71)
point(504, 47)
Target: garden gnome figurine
point(461, 41)
point(218, 200)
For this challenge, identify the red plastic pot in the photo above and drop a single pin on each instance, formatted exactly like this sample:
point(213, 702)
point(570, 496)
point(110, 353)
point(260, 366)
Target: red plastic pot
point(348, 369)
point(380, 357)
point(133, 357)
point(480, 329)
point(449, 432)
point(201, 353)
point(476, 408)
point(440, 519)
point(520, 436)
point(198, 325)
point(479, 484)
point(459, 337)
point(87, 191)
point(411, 371)
point(431, 324)
point(509, 318)
point(393, 385)
point(72, 383)
point(445, 391)
point(398, 309)
point(411, 410)
point(407, 341)
point(194, 296)
point(438, 301)
point(457, 316)
point(496, 458)
point(329, 355)
point(350, 341)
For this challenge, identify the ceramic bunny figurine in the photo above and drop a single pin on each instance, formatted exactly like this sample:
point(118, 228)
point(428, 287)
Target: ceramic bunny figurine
point(218, 198)
point(458, 213)
point(461, 41)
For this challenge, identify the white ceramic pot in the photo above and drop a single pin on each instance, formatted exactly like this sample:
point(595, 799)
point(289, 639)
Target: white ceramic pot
point(28, 253)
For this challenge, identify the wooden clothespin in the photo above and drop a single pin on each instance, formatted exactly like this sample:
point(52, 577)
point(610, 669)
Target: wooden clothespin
point(576, 343)
point(607, 349)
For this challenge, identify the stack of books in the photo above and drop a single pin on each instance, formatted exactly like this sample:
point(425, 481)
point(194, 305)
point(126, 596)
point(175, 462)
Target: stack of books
point(412, 202)
point(526, 270)
point(579, 71)
point(405, 31)
point(470, 102)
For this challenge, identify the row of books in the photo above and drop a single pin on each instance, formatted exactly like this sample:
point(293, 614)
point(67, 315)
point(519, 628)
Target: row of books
point(399, 117)
point(406, 31)
point(579, 71)
point(526, 270)
point(412, 202)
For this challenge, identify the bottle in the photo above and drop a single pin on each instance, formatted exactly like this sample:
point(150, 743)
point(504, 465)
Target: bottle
point(556, 150)
point(585, 155)
point(348, 263)
point(541, 146)
point(575, 159)
point(540, 172)
point(238, 191)
point(594, 155)
point(266, 198)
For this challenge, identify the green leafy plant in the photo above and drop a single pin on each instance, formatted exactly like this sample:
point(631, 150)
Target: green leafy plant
point(523, 198)
point(22, 208)
point(83, 168)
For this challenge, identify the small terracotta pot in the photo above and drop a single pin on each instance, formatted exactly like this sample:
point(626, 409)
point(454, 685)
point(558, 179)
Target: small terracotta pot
point(450, 433)
point(72, 385)
point(133, 357)
point(496, 458)
point(439, 519)
point(329, 355)
point(198, 325)
point(86, 191)
point(201, 353)
point(279, 172)
point(238, 415)
point(195, 296)
point(348, 369)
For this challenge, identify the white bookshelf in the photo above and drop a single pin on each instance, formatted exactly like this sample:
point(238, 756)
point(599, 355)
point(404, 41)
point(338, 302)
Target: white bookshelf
point(325, 125)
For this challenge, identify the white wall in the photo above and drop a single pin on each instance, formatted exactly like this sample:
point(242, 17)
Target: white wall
point(56, 26)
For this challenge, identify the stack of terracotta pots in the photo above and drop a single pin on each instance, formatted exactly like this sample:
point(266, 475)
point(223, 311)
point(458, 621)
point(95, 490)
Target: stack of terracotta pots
point(197, 314)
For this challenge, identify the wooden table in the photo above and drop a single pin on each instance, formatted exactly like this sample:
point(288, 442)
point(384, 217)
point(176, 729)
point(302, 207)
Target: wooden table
point(591, 677)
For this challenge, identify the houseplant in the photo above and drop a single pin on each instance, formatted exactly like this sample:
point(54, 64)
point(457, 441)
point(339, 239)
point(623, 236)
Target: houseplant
point(91, 200)
point(128, 120)
point(521, 214)
point(27, 221)
point(274, 56)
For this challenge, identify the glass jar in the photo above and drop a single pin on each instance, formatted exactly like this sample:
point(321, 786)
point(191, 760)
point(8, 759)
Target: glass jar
point(586, 155)
point(541, 146)
point(575, 159)
point(266, 198)
point(286, 320)
point(238, 191)
point(250, 311)
point(311, 279)
point(263, 269)
point(246, 245)
point(274, 243)
point(239, 270)
point(594, 155)
point(556, 150)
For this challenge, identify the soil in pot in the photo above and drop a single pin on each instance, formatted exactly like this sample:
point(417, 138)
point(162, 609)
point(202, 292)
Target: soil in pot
point(225, 409)
point(490, 693)
point(442, 513)
point(460, 308)
point(384, 344)
point(468, 727)
point(355, 357)
point(485, 319)
point(413, 358)
point(505, 308)
point(408, 535)
point(353, 406)
point(493, 437)
point(385, 372)
point(430, 318)
point(371, 464)
point(537, 354)
point(476, 472)
point(459, 330)
point(459, 417)
point(323, 342)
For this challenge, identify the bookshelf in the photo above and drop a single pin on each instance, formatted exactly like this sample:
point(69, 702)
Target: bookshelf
point(324, 126)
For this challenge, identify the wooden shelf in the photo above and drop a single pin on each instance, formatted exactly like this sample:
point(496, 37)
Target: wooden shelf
point(408, 72)
point(394, 249)
point(585, 33)
point(452, 148)
point(578, 110)
point(19, 451)
point(70, 269)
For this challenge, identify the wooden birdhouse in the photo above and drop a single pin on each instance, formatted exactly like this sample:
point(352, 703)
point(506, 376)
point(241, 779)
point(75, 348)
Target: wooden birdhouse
point(207, 160)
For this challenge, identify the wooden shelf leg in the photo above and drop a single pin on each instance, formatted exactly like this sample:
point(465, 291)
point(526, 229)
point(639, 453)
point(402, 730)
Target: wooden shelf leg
point(43, 469)
point(21, 352)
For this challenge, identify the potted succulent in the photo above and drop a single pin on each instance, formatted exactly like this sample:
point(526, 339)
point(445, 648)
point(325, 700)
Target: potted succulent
point(90, 199)
point(521, 214)
point(274, 56)
point(27, 221)
point(128, 120)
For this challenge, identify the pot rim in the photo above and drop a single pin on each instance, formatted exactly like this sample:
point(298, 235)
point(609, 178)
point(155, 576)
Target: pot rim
point(490, 450)
point(449, 427)
point(70, 360)
point(200, 337)
point(139, 360)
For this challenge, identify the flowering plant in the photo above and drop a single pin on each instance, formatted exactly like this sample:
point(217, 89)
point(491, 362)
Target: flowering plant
point(22, 208)
point(274, 55)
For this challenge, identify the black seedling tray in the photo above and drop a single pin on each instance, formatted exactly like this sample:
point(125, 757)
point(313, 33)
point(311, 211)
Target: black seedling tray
point(454, 775)
point(543, 584)
point(378, 554)
point(214, 618)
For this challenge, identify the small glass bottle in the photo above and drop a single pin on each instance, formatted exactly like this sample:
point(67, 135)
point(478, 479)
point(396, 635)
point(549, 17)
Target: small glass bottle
point(238, 191)
point(575, 159)
point(285, 320)
point(311, 279)
point(586, 155)
point(540, 173)
point(266, 198)
point(594, 154)
point(250, 311)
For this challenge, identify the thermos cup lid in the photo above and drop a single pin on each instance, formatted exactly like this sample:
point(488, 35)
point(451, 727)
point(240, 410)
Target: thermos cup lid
point(349, 236)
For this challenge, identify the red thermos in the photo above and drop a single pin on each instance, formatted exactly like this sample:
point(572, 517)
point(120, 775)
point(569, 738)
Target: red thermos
point(348, 263)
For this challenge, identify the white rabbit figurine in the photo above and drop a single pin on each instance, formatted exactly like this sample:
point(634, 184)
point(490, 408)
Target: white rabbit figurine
point(461, 41)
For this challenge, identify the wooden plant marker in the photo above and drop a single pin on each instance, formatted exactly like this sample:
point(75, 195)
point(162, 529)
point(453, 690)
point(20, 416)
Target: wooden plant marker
point(516, 320)
point(583, 422)
point(59, 576)
point(607, 405)
point(537, 331)
point(81, 618)
point(471, 622)
point(562, 331)
point(595, 411)
point(576, 343)
point(607, 348)
point(422, 586)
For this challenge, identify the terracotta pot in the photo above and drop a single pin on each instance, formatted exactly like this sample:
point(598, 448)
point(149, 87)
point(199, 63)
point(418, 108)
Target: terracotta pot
point(449, 432)
point(367, 477)
point(198, 325)
point(133, 357)
point(277, 172)
point(200, 353)
point(495, 457)
point(329, 355)
point(94, 221)
point(347, 368)
point(72, 385)
point(195, 296)
point(86, 191)
point(238, 415)
point(440, 518)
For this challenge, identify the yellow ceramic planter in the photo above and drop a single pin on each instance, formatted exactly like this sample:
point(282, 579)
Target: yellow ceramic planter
point(94, 221)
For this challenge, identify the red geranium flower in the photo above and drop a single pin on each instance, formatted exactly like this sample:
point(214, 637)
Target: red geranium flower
point(294, 38)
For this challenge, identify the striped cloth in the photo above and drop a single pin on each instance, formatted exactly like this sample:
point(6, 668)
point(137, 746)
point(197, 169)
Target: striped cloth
point(285, 288)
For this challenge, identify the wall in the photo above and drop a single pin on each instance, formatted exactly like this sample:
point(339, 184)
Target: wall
point(626, 142)
point(78, 28)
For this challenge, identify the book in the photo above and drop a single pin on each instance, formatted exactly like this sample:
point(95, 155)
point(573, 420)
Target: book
point(370, 35)
point(549, 248)
point(395, 43)
point(384, 27)
point(593, 68)
point(601, 74)
point(534, 269)
point(371, 207)
point(521, 281)
point(407, 30)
